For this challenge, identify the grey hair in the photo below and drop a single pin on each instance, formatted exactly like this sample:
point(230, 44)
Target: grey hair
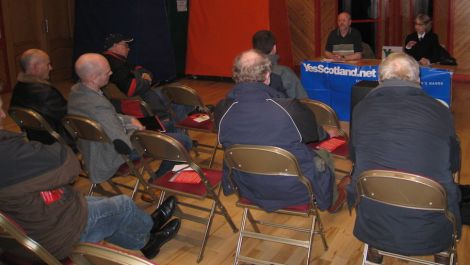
point(426, 20)
point(251, 66)
point(30, 57)
point(399, 66)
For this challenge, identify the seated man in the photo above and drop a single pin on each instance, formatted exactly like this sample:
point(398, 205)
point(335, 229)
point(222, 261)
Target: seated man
point(265, 41)
point(86, 99)
point(133, 80)
point(254, 117)
point(344, 43)
point(33, 91)
point(39, 196)
point(398, 127)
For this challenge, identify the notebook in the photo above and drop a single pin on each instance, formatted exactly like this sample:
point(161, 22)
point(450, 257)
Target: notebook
point(331, 144)
point(187, 177)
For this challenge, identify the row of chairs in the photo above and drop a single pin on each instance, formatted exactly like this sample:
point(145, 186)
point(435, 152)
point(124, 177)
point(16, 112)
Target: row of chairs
point(272, 161)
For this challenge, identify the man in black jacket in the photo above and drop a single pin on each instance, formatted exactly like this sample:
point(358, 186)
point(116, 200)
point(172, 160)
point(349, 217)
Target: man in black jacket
point(34, 91)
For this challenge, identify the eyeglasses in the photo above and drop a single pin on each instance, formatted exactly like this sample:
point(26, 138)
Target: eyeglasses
point(419, 24)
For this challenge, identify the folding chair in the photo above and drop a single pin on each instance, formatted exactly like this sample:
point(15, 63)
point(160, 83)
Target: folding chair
point(272, 161)
point(163, 147)
point(184, 95)
point(327, 118)
point(29, 119)
point(97, 254)
point(18, 247)
point(409, 191)
point(84, 128)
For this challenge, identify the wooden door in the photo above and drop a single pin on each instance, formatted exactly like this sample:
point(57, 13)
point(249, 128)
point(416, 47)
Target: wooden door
point(58, 20)
point(23, 30)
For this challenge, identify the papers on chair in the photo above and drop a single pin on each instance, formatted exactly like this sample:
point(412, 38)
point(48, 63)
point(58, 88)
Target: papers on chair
point(331, 144)
point(199, 117)
point(185, 174)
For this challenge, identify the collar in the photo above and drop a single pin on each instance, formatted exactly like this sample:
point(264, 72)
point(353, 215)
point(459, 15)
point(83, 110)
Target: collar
point(115, 55)
point(421, 35)
point(251, 91)
point(338, 32)
point(27, 78)
point(396, 87)
point(84, 88)
point(273, 58)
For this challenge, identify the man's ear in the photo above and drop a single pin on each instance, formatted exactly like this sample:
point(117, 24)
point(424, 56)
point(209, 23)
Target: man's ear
point(274, 49)
point(267, 78)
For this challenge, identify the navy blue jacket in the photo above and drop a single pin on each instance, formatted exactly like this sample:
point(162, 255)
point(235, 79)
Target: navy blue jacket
point(256, 118)
point(398, 127)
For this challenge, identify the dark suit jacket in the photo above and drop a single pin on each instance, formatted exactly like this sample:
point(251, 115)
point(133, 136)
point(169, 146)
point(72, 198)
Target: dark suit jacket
point(428, 47)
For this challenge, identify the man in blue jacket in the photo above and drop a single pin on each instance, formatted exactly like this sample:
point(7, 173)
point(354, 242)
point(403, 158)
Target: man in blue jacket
point(398, 127)
point(251, 115)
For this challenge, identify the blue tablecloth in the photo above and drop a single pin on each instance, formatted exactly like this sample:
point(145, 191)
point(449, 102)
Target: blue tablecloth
point(331, 83)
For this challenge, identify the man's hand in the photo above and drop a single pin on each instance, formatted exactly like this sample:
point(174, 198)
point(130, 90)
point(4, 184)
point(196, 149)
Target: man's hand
point(137, 124)
point(424, 61)
point(410, 44)
point(147, 77)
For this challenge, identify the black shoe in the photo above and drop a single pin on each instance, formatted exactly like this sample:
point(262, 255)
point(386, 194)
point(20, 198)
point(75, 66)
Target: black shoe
point(163, 213)
point(157, 240)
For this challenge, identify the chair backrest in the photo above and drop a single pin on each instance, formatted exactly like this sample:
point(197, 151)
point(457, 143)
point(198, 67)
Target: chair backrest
point(30, 119)
point(11, 230)
point(183, 95)
point(96, 254)
point(81, 127)
point(159, 146)
point(404, 190)
point(264, 160)
point(111, 91)
point(324, 115)
point(367, 52)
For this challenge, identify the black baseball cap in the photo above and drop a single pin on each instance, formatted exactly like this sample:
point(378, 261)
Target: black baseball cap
point(113, 38)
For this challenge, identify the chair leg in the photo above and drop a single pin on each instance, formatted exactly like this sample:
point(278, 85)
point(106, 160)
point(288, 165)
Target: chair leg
point(214, 151)
point(222, 209)
point(321, 230)
point(311, 234)
point(364, 254)
point(92, 188)
point(253, 222)
point(240, 235)
point(136, 187)
point(206, 232)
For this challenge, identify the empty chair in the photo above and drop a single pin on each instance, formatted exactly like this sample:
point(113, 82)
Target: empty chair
point(83, 128)
point(272, 161)
point(409, 191)
point(203, 122)
point(18, 248)
point(327, 118)
point(28, 119)
point(204, 184)
point(97, 254)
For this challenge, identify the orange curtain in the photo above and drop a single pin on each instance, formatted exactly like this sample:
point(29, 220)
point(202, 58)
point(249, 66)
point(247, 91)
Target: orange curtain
point(219, 30)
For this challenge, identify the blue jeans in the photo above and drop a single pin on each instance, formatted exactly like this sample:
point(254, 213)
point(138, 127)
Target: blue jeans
point(117, 220)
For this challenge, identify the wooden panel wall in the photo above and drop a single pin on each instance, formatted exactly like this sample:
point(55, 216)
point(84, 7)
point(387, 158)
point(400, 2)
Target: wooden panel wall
point(440, 21)
point(329, 13)
point(462, 35)
point(302, 28)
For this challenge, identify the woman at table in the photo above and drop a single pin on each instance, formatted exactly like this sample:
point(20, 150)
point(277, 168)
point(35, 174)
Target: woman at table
point(423, 44)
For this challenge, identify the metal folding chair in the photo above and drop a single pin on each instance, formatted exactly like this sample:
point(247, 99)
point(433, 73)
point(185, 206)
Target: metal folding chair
point(409, 191)
point(29, 119)
point(84, 128)
point(272, 161)
point(163, 147)
point(184, 95)
point(97, 254)
point(18, 246)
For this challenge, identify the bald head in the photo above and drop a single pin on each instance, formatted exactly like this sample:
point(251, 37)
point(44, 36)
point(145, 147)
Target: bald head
point(36, 62)
point(251, 66)
point(399, 66)
point(93, 70)
point(344, 22)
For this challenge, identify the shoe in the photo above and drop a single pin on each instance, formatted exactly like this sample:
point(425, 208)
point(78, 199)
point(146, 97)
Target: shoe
point(157, 240)
point(163, 213)
point(148, 198)
point(374, 256)
point(442, 258)
point(341, 199)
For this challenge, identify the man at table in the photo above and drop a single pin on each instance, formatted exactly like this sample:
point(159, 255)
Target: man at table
point(344, 43)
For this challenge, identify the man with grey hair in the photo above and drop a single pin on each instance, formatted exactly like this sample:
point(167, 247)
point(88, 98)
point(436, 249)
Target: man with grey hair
point(254, 117)
point(398, 127)
point(423, 44)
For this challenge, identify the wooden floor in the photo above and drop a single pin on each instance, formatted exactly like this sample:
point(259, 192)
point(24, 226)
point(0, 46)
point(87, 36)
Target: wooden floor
point(344, 248)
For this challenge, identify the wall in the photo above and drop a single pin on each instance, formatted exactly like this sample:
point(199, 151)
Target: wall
point(462, 36)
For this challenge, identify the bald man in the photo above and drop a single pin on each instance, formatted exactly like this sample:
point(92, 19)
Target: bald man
point(34, 91)
point(341, 36)
point(86, 99)
point(254, 117)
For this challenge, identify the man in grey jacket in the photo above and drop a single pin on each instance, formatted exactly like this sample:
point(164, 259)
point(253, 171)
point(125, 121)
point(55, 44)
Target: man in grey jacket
point(265, 41)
